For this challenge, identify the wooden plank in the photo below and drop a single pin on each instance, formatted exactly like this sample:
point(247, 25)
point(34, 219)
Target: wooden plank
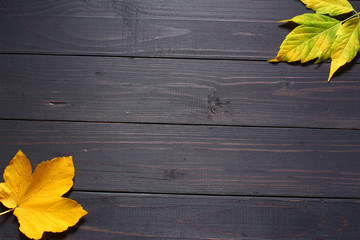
point(194, 159)
point(231, 29)
point(177, 91)
point(135, 217)
point(154, 9)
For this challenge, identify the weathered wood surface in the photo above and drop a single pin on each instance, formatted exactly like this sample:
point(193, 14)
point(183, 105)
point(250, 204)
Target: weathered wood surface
point(194, 159)
point(231, 29)
point(141, 216)
point(172, 128)
point(176, 91)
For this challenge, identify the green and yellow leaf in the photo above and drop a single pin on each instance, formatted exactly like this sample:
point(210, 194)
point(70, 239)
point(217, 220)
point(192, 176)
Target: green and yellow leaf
point(312, 39)
point(331, 7)
point(346, 45)
point(319, 36)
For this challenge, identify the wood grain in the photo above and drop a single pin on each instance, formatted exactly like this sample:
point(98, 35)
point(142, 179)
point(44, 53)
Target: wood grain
point(194, 159)
point(177, 91)
point(155, 9)
point(229, 29)
point(172, 136)
point(135, 217)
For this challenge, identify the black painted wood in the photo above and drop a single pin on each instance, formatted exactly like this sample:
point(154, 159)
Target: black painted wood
point(231, 29)
point(177, 91)
point(135, 217)
point(190, 175)
point(193, 159)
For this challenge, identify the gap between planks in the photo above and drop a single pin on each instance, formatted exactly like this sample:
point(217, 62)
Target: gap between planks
point(275, 197)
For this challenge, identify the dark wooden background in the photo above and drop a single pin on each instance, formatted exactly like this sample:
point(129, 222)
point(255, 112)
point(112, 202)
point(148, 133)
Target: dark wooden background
point(178, 126)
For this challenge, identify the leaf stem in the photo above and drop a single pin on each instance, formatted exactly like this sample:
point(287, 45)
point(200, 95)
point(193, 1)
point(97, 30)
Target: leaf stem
point(7, 211)
point(352, 16)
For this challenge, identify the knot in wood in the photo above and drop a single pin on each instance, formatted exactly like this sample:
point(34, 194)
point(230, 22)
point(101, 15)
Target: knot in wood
point(216, 109)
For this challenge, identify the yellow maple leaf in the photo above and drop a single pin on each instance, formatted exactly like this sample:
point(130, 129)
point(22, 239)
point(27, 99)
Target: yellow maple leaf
point(36, 198)
point(346, 45)
point(331, 7)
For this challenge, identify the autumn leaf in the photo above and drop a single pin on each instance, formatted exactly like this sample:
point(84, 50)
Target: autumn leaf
point(312, 39)
point(319, 36)
point(346, 45)
point(36, 198)
point(331, 7)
